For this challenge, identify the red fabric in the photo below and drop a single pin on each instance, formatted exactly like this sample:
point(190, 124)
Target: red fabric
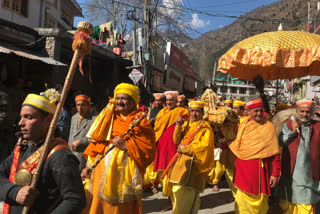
point(143, 108)
point(253, 176)
point(256, 105)
point(289, 153)
point(13, 172)
point(166, 149)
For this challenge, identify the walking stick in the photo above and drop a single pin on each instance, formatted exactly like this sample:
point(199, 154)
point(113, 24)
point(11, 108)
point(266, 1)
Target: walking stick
point(81, 46)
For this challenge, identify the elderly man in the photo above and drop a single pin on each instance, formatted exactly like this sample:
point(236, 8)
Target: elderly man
point(116, 182)
point(187, 176)
point(164, 128)
point(80, 124)
point(60, 188)
point(299, 183)
point(181, 100)
point(257, 165)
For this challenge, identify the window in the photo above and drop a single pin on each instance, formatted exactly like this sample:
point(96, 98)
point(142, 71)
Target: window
point(234, 90)
point(243, 91)
point(224, 89)
point(18, 6)
point(252, 91)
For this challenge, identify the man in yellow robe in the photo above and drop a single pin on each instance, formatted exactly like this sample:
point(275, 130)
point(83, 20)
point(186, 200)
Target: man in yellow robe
point(115, 184)
point(193, 160)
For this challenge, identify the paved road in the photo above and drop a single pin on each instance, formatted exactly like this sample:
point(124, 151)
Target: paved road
point(211, 202)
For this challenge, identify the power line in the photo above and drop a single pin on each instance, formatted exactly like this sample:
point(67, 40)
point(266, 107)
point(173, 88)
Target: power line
point(263, 20)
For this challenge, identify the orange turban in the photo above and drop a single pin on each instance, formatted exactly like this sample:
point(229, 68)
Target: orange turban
point(305, 102)
point(158, 95)
point(171, 94)
point(181, 97)
point(82, 97)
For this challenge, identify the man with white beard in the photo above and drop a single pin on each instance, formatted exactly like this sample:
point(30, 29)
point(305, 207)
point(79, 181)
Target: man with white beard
point(299, 183)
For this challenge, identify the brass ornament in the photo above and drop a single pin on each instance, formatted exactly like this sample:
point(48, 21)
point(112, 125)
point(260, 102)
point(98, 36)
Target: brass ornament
point(23, 178)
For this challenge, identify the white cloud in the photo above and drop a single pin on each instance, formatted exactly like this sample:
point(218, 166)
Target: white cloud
point(170, 7)
point(197, 22)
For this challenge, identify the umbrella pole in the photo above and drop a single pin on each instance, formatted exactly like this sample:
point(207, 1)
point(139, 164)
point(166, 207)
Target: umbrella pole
point(277, 92)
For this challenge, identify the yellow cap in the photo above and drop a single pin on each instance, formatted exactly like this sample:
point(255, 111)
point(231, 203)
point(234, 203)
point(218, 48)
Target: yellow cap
point(40, 103)
point(196, 104)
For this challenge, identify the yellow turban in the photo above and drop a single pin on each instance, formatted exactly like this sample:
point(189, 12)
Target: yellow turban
point(40, 103)
point(238, 103)
point(197, 104)
point(228, 101)
point(129, 89)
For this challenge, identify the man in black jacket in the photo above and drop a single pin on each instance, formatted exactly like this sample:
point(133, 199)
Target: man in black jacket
point(59, 188)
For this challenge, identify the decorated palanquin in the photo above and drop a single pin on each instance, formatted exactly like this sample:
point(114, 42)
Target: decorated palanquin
point(223, 119)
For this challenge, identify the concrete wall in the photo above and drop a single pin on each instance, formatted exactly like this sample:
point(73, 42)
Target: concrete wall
point(37, 10)
point(32, 20)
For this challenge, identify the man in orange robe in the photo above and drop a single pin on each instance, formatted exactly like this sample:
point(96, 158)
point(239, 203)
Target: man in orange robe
point(164, 129)
point(116, 181)
point(258, 161)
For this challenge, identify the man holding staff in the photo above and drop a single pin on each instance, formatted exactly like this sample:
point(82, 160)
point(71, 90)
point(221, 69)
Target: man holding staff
point(194, 138)
point(60, 188)
point(115, 184)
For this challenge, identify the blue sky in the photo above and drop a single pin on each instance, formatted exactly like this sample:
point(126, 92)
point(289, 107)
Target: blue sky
point(201, 23)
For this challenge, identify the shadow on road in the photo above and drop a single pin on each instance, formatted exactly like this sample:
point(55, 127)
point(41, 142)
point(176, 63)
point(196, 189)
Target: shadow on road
point(214, 200)
point(154, 205)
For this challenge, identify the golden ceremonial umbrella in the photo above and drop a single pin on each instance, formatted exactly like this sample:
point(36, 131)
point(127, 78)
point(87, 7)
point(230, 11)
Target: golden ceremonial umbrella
point(274, 55)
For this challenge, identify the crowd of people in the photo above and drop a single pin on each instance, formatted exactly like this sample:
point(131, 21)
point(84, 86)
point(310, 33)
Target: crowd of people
point(102, 162)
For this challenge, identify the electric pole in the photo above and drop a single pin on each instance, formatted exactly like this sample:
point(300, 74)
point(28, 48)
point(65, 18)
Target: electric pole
point(214, 73)
point(134, 37)
point(146, 57)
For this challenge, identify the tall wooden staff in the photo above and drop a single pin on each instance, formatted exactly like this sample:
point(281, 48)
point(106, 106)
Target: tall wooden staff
point(81, 46)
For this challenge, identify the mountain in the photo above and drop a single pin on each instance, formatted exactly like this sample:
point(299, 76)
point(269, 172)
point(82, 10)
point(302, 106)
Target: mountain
point(206, 50)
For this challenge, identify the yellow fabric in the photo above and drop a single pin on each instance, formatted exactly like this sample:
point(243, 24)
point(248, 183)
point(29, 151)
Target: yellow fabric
point(127, 187)
point(273, 55)
point(197, 104)
point(118, 178)
point(185, 200)
point(97, 204)
point(251, 204)
point(129, 89)
point(166, 118)
point(150, 176)
point(229, 160)
point(255, 140)
point(39, 102)
point(215, 173)
point(237, 103)
point(202, 145)
point(291, 208)
point(228, 101)
point(97, 131)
